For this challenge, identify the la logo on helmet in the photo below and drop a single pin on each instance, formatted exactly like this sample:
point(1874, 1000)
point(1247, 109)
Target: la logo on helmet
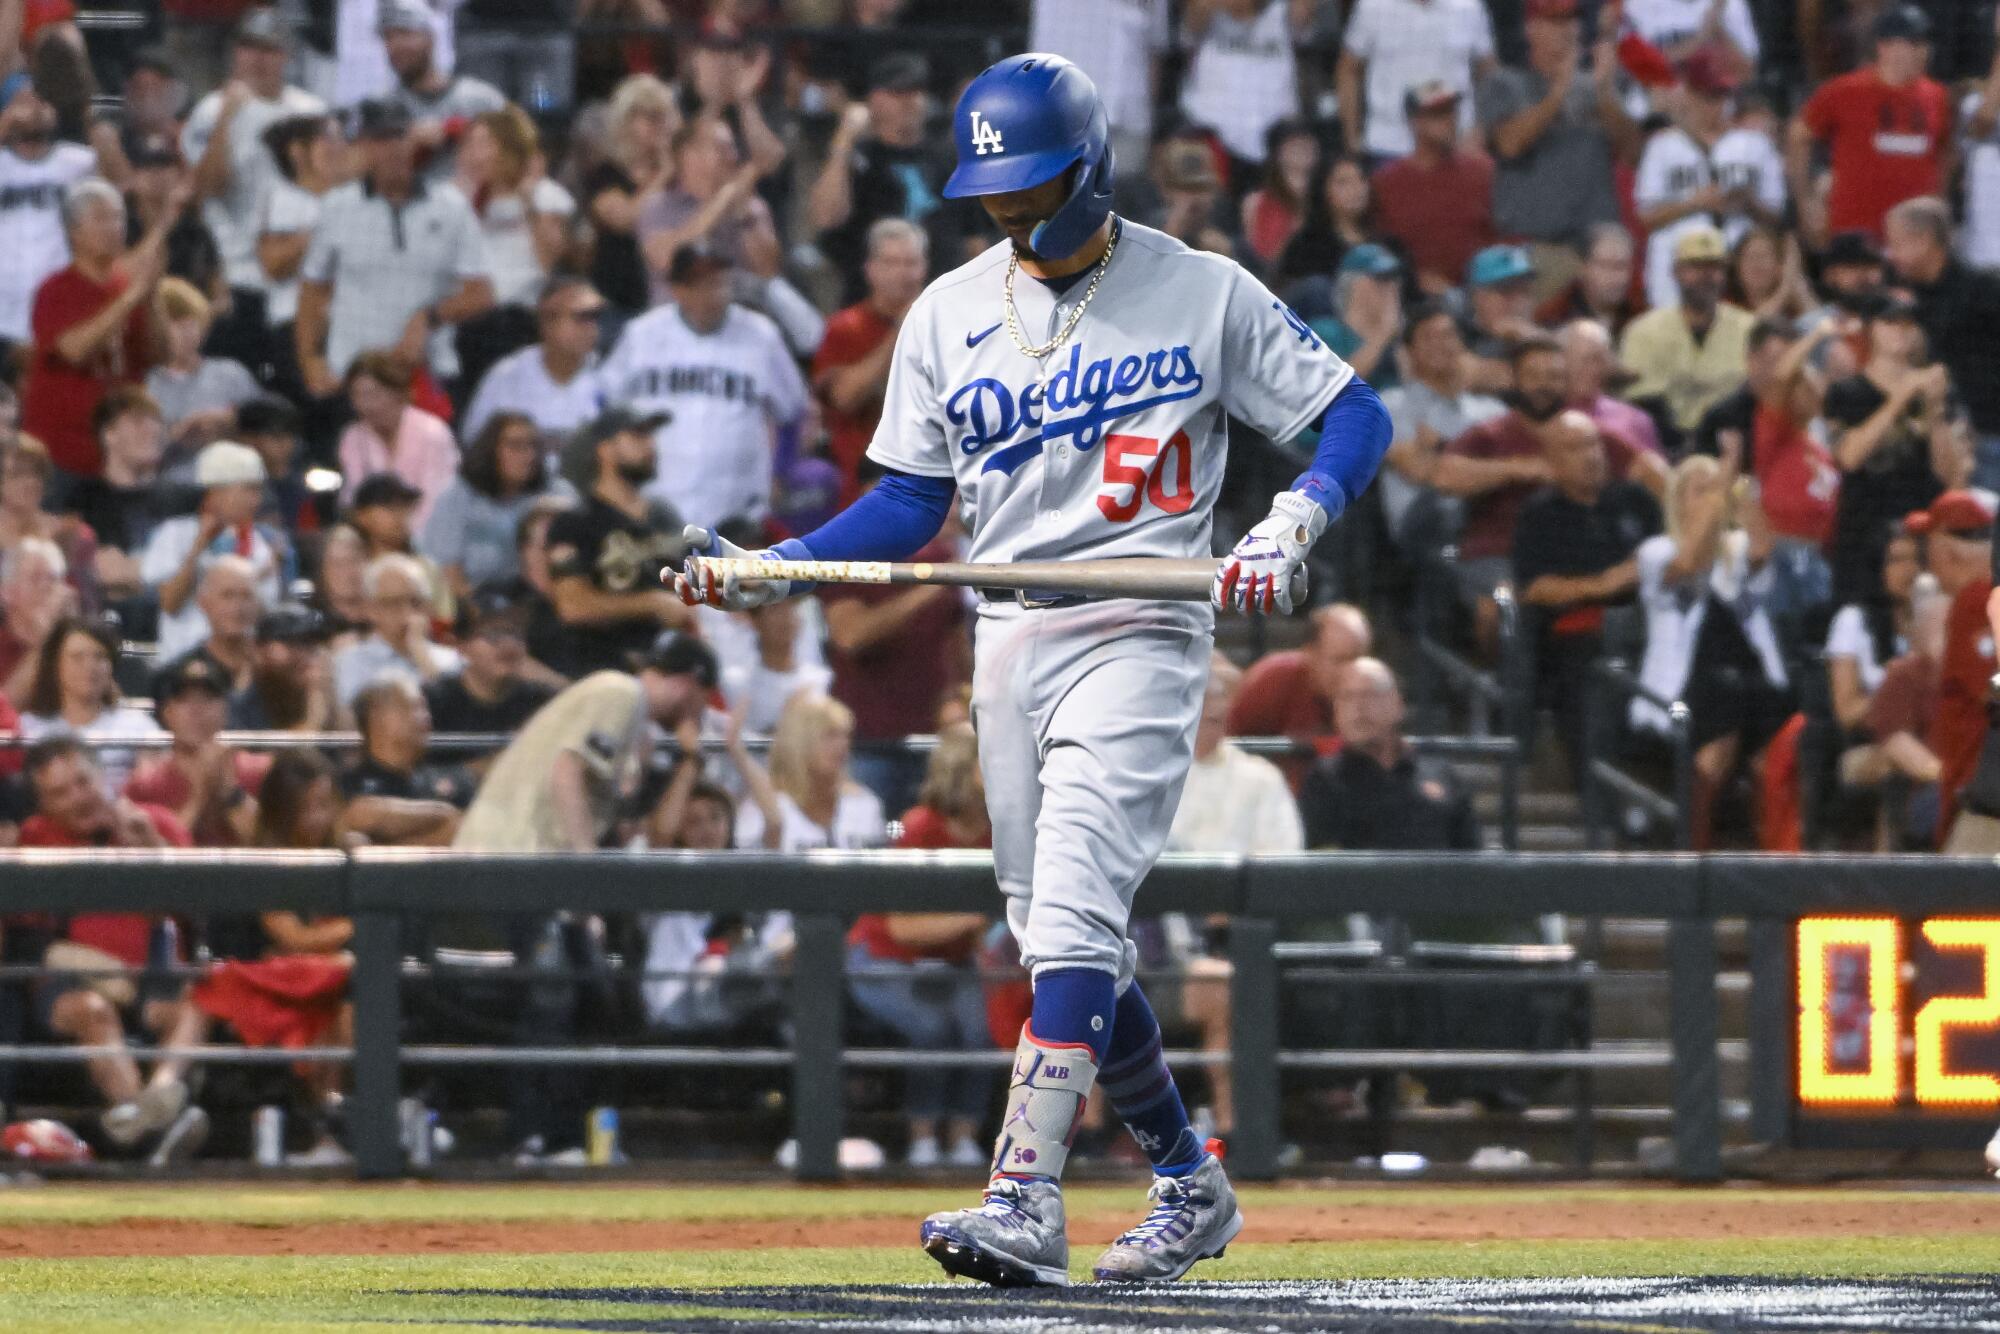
point(985, 136)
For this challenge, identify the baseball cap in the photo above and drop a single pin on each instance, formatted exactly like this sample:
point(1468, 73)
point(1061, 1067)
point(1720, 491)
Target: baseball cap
point(899, 72)
point(1431, 95)
point(291, 623)
point(193, 672)
point(1499, 264)
point(1851, 248)
point(226, 463)
point(380, 118)
point(1962, 512)
point(1705, 72)
point(1551, 9)
point(579, 455)
point(402, 16)
point(1903, 21)
point(1701, 245)
point(491, 612)
point(383, 488)
point(267, 414)
point(265, 28)
point(693, 260)
point(676, 654)
point(1374, 260)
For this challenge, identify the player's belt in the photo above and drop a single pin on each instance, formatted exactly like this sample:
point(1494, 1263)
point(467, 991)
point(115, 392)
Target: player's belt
point(1031, 599)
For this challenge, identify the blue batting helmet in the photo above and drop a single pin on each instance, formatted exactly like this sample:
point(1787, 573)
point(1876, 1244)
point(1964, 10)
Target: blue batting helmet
point(1026, 121)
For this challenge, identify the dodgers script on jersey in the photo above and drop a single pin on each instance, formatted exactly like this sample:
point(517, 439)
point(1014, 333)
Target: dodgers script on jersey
point(1114, 444)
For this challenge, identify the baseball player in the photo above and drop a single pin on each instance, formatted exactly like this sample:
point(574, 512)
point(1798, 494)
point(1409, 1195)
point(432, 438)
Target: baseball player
point(1073, 384)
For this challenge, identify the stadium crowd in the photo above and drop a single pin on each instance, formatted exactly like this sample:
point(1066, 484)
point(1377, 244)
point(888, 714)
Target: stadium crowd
point(364, 361)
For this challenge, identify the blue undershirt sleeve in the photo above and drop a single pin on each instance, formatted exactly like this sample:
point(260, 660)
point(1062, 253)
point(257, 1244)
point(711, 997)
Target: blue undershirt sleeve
point(901, 514)
point(1354, 435)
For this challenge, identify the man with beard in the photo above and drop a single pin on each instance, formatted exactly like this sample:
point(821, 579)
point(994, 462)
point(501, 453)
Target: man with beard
point(290, 686)
point(1687, 357)
point(605, 556)
point(34, 171)
point(435, 100)
point(1497, 464)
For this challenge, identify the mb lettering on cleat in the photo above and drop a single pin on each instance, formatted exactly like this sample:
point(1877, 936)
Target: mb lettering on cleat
point(985, 137)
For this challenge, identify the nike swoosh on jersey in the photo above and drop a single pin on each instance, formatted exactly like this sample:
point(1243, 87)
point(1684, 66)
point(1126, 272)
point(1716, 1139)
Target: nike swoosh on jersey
point(975, 339)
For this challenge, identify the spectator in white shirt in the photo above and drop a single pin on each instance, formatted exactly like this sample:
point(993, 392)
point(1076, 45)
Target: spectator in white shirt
point(1118, 43)
point(1979, 239)
point(820, 806)
point(757, 687)
point(524, 214)
point(392, 263)
point(730, 383)
point(554, 382)
point(232, 480)
point(35, 169)
point(1702, 172)
point(399, 615)
point(224, 138)
point(307, 153)
point(74, 691)
point(1401, 45)
point(1244, 76)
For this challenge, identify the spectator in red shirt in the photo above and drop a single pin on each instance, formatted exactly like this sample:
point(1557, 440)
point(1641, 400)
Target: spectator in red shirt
point(1886, 127)
point(76, 810)
point(1290, 693)
point(1798, 481)
point(92, 324)
point(1958, 549)
point(917, 974)
point(1496, 465)
point(211, 788)
point(894, 654)
point(1437, 202)
point(852, 364)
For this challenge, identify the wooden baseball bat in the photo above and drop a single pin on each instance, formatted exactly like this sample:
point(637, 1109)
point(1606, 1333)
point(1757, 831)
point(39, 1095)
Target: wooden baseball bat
point(1126, 577)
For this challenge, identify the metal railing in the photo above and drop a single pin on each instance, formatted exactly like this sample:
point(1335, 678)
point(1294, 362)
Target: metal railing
point(1493, 696)
point(379, 889)
point(1613, 688)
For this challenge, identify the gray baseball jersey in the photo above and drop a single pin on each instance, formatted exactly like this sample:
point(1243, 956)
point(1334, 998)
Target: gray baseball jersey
point(1112, 446)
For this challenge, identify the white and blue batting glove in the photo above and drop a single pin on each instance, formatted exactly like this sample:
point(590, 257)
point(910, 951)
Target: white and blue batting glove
point(698, 582)
point(1266, 572)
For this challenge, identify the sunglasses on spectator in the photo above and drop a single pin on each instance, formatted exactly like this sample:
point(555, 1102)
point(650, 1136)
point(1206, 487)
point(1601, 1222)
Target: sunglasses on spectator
point(588, 315)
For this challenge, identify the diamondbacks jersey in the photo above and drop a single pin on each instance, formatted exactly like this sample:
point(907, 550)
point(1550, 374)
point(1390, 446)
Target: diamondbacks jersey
point(1115, 444)
point(727, 391)
point(31, 230)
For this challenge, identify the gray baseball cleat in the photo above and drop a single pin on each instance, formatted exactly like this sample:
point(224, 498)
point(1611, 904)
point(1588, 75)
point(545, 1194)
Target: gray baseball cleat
point(1013, 1239)
point(1193, 1218)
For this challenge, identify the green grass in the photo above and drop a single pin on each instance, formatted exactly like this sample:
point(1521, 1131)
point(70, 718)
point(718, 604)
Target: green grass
point(351, 1293)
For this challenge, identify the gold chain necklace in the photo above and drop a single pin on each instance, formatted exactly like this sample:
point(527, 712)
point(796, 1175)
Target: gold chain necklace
point(1075, 314)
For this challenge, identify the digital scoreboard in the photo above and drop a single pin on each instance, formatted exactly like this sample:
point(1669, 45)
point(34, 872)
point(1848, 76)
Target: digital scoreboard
point(1898, 1021)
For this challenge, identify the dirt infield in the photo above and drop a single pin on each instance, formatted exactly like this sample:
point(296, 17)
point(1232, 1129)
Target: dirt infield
point(1435, 1216)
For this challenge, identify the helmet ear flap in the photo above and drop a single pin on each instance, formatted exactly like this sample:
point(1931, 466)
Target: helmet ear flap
point(1083, 209)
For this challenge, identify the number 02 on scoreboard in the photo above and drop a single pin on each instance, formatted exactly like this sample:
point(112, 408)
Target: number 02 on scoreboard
point(1899, 1015)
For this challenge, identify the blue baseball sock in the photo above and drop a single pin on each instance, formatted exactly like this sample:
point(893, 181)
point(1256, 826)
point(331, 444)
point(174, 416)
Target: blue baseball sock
point(1075, 1005)
point(1135, 1077)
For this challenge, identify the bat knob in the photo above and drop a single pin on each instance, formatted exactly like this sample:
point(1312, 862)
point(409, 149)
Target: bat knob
point(1299, 589)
